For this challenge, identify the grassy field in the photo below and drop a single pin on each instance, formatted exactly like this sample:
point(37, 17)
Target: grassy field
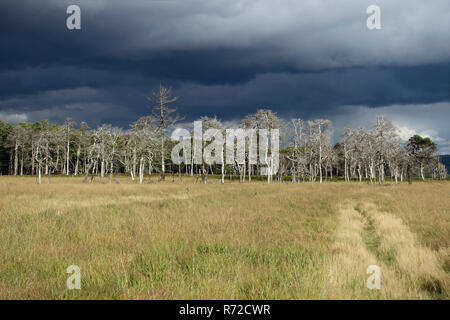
point(180, 240)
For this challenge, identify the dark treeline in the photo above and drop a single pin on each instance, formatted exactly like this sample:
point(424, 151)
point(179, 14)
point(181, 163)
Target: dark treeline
point(306, 153)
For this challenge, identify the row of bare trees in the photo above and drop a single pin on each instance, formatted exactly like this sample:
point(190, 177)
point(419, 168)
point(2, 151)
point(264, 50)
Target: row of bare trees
point(43, 148)
point(370, 153)
point(307, 152)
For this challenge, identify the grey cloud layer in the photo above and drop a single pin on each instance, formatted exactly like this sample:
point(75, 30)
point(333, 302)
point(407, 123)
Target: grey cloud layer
point(413, 32)
point(225, 58)
point(303, 34)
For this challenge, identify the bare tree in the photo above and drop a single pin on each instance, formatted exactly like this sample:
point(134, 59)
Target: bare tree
point(112, 135)
point(41, 150)
point(267, 119)
point(210, 123)
point(319, 139)
point(438, 170)
point(298, 155)
point(144, 134)
point(82, 142)
point(250, 122)
point(68, 125)
point(17, 140)
point(383, 132)
point(165, 117)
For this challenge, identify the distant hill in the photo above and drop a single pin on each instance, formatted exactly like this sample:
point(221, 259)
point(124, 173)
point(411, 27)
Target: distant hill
point(445, 159)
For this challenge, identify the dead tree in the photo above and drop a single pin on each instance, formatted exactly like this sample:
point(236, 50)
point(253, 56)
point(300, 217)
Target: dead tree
point(165, 117)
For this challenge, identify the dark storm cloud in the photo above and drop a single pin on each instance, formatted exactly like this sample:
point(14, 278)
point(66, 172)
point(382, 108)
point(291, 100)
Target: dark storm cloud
point(224, 58)
point(311, 35)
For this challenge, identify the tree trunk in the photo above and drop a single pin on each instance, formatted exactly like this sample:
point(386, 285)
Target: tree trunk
point(102, 169)
point(39, 175)
point(33, 152)
point(111, 172)
point(57, 159)
point(141, 170)
point(21, 164)
point(222, 180)
point(133, 169)
point(68, 153)
point(78, 159)
point(409, 172)
point(422, 176)
point(16, 158)
point(150, 163)
point(163, 167)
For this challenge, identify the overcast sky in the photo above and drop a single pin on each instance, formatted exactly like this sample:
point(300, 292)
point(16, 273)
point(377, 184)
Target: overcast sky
point(308, 59)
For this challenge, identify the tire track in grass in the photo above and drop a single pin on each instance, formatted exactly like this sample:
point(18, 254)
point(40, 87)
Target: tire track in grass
point(372, 240)
point(398, 249)
point(346, 270)
point(358, 245)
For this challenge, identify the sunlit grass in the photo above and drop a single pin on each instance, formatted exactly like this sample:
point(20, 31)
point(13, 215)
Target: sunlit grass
point(180, 240)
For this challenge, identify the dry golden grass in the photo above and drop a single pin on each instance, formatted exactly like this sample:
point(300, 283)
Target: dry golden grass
point(350, 254)
point(420, 265)
point(234, 241)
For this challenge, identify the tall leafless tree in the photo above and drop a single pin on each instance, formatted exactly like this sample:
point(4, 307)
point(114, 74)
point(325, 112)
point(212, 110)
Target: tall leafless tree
point(165, 117)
